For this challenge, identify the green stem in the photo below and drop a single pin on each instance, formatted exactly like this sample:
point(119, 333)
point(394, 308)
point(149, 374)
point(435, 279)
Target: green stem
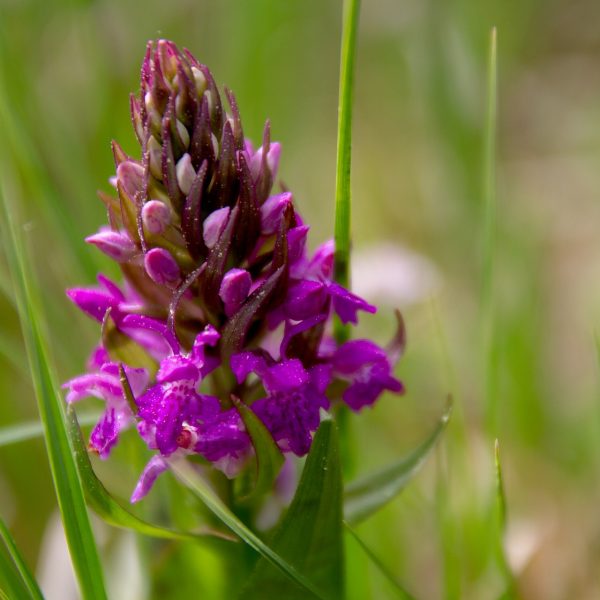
point(344, 152)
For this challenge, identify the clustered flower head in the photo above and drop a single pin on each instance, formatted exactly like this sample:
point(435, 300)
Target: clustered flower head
point(221, 301)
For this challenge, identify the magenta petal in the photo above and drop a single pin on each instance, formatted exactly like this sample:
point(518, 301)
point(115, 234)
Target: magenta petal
point(244, 363)
point(305, 299)
point(142, 322)
point(285, 376)
point(105, 434)
point(346, 304)
point(94, 303)
point(153, 469)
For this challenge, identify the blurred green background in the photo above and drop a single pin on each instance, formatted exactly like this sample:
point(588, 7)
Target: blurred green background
point(66, 69)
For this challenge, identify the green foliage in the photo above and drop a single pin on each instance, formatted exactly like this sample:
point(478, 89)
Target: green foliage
point(106, 507)
point(310, 534)
point(368, 494)
point(21, 584)
point(67, 484)
point(343, 206)
point(269, 458)
point(190, 477)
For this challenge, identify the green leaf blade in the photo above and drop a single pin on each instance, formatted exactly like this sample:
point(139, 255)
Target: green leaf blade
point(310, 534)
point(27, 584)
point(269, 458)
point(111, 511)
point(69, 492)
point(186, 473)
point(368, 494)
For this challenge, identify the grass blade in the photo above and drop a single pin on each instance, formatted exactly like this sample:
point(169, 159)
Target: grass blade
point(29, 582)
point(310, 534)
point(69, 492)
point(368, 494)
point(106, 507)
point(22, 432)
point(344, 148)
point(186, 473)
point(489, 239)
point(401, 592)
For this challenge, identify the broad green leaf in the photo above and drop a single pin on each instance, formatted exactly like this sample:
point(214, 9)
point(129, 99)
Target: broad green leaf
point(310, 534)
point(69, 492)
point(344, 152)
point(269, 459)
point(401, 592)
point(106, 507)
point(28, 583)
point(369, 493)
point(21, 432)
point(189, 476)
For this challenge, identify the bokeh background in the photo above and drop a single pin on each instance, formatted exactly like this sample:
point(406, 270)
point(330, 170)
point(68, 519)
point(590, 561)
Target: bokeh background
point(522, 367)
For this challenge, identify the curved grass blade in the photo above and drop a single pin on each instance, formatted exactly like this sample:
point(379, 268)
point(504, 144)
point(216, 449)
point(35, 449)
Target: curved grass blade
point(22, 432)
point(368, 494)
point(186, 473)
point(106, 507)
point(310, 534)
point(69, 492)
point(344, 151)
point(269, 459)
point(28, 580)
point(398, 588)
point(499, 529)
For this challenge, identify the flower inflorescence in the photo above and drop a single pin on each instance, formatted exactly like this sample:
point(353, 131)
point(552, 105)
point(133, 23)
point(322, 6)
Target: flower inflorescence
point(221, 299)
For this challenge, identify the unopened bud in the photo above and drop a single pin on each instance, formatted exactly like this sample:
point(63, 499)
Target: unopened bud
point(185, 173)
point(214, 224)
point(199, 80)
point(156, 217)
point(162, 267)
point(155, 158)
point(271, 211)
point(115, 244)
point(234, 289)
point(130, 176)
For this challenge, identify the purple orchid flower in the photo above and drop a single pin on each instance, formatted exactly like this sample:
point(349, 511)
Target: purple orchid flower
point(219, 288)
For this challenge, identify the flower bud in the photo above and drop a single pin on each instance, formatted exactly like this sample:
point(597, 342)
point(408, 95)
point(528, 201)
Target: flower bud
point(156, 217)
point(271, 211)
point(214, 224)
point(130, 176)
point(185, 174)
point(162, 267)
point(115, 244)
point(234, 289)
point(155, 152)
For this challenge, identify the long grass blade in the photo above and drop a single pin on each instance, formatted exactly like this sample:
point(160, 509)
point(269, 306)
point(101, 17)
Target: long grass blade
point(344, 150)
point(23, 432)
point(69, 492)
point(21, 566)
point(489, 238)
